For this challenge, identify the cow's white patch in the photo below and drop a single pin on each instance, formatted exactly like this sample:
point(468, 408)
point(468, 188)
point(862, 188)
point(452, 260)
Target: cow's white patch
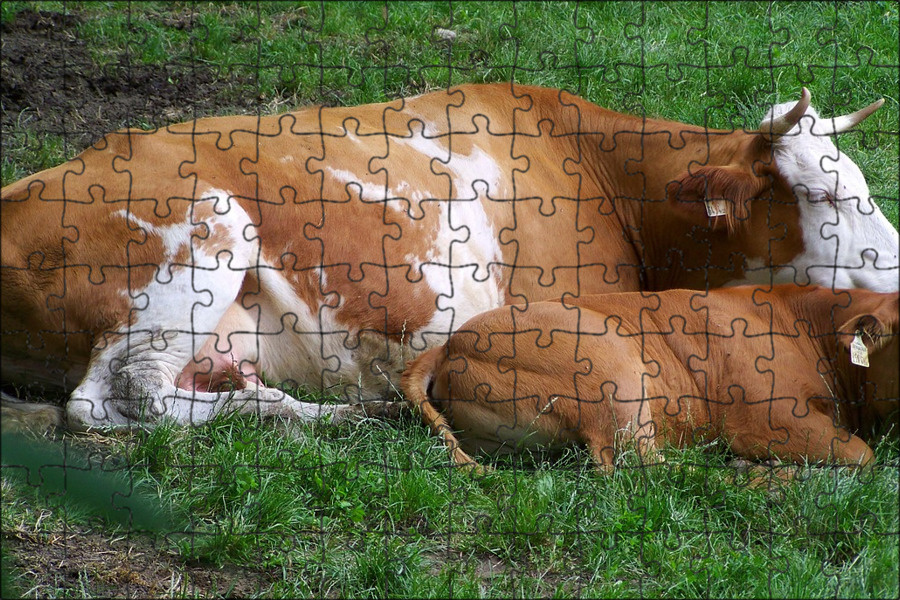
point(170, 319)
point(372, 192)
point(756, 272)
point(173, 237)
point(323, 282)
point(848, 241)
point(462, 265)
point(465, 239)
point(297, 343)
point(466, 169)
point(201, 290)
point(307, 345)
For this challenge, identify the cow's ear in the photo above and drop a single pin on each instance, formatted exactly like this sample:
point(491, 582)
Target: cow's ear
point(875, 328)
point(719, 196)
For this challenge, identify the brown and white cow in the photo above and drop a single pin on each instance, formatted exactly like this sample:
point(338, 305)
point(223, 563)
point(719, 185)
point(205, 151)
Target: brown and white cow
point(767, 370)
point(329, 245)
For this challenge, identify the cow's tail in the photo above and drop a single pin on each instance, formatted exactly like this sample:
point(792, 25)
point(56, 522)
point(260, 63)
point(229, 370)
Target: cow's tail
point(415, 383)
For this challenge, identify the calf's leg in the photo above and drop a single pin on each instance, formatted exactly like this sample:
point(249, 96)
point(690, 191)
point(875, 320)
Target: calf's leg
point(812, 438)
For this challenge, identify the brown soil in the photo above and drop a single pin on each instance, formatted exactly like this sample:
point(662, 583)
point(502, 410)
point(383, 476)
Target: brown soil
point(81, 561)
point(51, 83)
point(131, 566)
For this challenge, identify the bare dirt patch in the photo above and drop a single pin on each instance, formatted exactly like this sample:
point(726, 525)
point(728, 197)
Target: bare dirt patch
point(97, 560)
point(52, 85)
point(83, 561)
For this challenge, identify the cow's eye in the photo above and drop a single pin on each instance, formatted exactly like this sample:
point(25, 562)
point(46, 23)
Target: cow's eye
point(821, 197)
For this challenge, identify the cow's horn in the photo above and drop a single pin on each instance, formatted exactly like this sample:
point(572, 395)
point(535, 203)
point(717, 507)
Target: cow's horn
point(781, 125)
point(847, 122)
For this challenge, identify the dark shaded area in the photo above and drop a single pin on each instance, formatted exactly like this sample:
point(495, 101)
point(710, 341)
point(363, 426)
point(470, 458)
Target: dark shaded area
point(51, 85)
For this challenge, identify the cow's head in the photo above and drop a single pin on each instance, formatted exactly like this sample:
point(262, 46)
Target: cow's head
point(846, 240)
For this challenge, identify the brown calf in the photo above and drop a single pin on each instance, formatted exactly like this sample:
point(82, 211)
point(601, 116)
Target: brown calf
point(768, 370)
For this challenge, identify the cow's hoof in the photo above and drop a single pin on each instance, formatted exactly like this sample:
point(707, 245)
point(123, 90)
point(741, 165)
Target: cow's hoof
point(36, 419)
point(388, 411)
point(381, 409)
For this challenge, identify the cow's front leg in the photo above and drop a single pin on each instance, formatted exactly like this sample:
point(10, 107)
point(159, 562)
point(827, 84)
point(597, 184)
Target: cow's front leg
point(385, 410)
point(270, 402)
point(191, 407)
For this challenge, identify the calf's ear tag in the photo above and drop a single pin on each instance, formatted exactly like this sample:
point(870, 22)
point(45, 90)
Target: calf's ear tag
point(715, 208)
point(859, 354)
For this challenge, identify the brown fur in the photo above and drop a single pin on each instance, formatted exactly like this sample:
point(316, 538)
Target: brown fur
point(765, 370)
point(581, 207)
point(415, 382)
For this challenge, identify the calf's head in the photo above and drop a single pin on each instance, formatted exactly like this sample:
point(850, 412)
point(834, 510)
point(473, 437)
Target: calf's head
point(872, 321)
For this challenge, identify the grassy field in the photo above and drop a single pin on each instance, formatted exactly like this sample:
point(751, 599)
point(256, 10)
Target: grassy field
point(372, 509)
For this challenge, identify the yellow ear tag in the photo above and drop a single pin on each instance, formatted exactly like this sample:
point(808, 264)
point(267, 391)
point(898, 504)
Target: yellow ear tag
point(859, 354)
point(715, 208)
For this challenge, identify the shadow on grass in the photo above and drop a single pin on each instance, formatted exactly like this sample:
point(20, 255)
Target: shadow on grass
point(69, 479)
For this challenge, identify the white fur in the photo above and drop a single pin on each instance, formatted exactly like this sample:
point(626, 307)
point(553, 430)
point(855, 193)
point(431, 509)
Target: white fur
point(850, 244)
point(297, 343)
point(374, 192)
point(462, 265)
point(132, 378)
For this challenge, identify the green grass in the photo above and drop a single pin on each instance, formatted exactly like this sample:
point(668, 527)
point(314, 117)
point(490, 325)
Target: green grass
point(34, 154)
point(373, 509)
